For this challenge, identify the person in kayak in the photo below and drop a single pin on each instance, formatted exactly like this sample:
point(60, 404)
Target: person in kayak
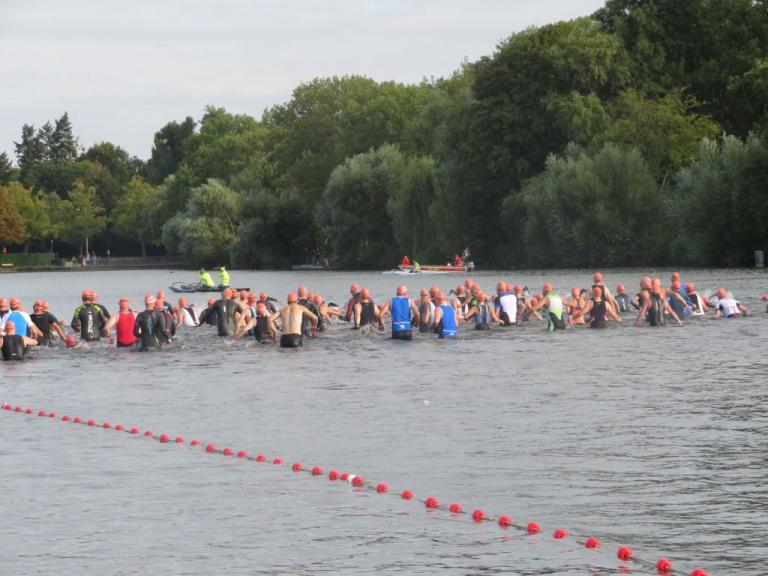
point(291, 318)
point(206, 279)
point(402, 309)
point(223, 277)
point(14, 346)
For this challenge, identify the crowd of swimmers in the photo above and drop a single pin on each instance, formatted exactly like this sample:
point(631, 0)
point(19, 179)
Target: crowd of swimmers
point(305, 314)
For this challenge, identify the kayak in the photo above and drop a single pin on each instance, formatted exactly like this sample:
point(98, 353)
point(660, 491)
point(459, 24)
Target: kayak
point(422, 272)
point(188, 287)
point(440, 268)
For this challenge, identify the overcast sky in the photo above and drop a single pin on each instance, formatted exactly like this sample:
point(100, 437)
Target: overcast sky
point(124, 68)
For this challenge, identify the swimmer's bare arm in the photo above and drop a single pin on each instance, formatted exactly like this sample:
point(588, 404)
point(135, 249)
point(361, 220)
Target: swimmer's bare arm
point(613, 314)
point(469, 315)
point(243, 329)
point(416, 313)
point(672, 313)
point(273, 319)
point(58, 330)
point(583, 311)
point(313, 318)
point(29, 341)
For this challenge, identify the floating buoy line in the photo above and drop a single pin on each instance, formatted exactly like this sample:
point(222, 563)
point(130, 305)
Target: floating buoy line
point(625, 554)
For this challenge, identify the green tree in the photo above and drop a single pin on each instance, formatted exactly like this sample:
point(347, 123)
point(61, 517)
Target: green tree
point(130, 218)
point(7, 171)
point(168, 152)
point(721, 202)
point(592, 210)
point(204, 232)
point(12, 230)
point(38, 210)
point(665, 131)
point(705, 46)
point(117, 161)
point(353, 211)
point(61, 143)
point(82, 215)
point(29, 151)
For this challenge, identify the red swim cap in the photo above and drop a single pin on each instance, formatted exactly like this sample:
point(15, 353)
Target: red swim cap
point(690, 288)
point(575, 292)
point(252, 298)
point(676, 285)
point(354, 289)
point(424, 292)
point(675, 276)
point(364, 293)
point(597, 291)
point(243, 294)
point(597, 277)
point(518, 288)
point(402, 290)
point(645, 282)
point(292, 298)
point(302, 291)
point(149, 299)
point(620, 288)
point(263, 296)
point(547, 287)
point(722, 293)
point(70, 341)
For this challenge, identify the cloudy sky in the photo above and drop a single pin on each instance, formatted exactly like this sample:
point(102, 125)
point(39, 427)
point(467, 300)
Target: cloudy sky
point(124, 68)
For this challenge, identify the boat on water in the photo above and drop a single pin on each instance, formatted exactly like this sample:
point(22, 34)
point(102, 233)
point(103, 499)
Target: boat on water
point(460, 265)
point(412, 272)
point(188, 287)
point(310, 267)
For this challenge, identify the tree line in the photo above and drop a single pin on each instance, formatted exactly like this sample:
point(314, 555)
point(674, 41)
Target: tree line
point(637, 135)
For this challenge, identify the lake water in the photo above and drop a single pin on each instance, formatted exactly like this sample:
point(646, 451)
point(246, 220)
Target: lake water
point(649, 438)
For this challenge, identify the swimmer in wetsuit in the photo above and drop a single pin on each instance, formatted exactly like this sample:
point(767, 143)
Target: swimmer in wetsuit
point(89, 320)
point(598, 310)
point(46, 323)
point(14, 346)
point(150, 326)
point(291, 318)
point(366, 312)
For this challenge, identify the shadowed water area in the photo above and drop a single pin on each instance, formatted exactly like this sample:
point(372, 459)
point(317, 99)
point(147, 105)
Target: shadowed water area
point(649, 438)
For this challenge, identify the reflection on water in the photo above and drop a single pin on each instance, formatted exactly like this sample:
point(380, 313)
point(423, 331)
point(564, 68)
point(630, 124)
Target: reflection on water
point(649, 438)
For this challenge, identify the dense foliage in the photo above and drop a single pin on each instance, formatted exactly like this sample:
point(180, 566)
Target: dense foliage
point(638, 135)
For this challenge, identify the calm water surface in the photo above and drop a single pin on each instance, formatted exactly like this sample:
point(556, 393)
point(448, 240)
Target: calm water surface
point(654, 439)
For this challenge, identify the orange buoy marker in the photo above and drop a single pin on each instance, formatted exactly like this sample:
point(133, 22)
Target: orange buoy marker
point(560, 533)
point(624, 553)
point(431, 502)
point(533, 528)
point(592, 543)
point(478, 515)
point(505, 521)
point(664, 566)
point(406, 495)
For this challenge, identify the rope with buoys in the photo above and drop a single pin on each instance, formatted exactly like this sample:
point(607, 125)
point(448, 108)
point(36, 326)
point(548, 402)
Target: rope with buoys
point(624, 553)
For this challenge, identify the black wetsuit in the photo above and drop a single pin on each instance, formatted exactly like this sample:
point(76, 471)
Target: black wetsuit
point(655, 315)
point(209, 316)
point(261, 329)
point(14, 348)
point(367, 314)
point(225, 316)
point(44, 321)
point(623, 302)
point(424, 312)
point(291, 341)
point(90, 321)
point(306, 323)
point(598, 314)
point(150, 329)
point(104, 310)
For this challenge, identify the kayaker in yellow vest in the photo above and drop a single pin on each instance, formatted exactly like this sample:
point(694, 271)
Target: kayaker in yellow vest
point(223, 276)
point(205, 278)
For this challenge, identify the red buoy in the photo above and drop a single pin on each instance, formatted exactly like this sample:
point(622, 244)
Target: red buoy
point(242, 454)
point(148, 433)
point(91, 422)
point(357, 481)
point(106, 425)
point(195, 443)
point(699, 572)
point(28, 411)
point(333, 475)
point(505, 521)
point(134, 430)
point(210, 448)
point(227, 452)
point(592, 542)
point(624, 553)
point(52, 415)
point(41, 413)
point(65, 418)
point(381, 488)
point(296, 467)
point(431, 502)
point(478, 515)
point(560, 533)
point(664, 566)
point(317, 471)
point(119, 427)
point(533, 528)
point(163, 438)
point(455, 507)
point(407, 495)
point(179, 440)
point(260, 458)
